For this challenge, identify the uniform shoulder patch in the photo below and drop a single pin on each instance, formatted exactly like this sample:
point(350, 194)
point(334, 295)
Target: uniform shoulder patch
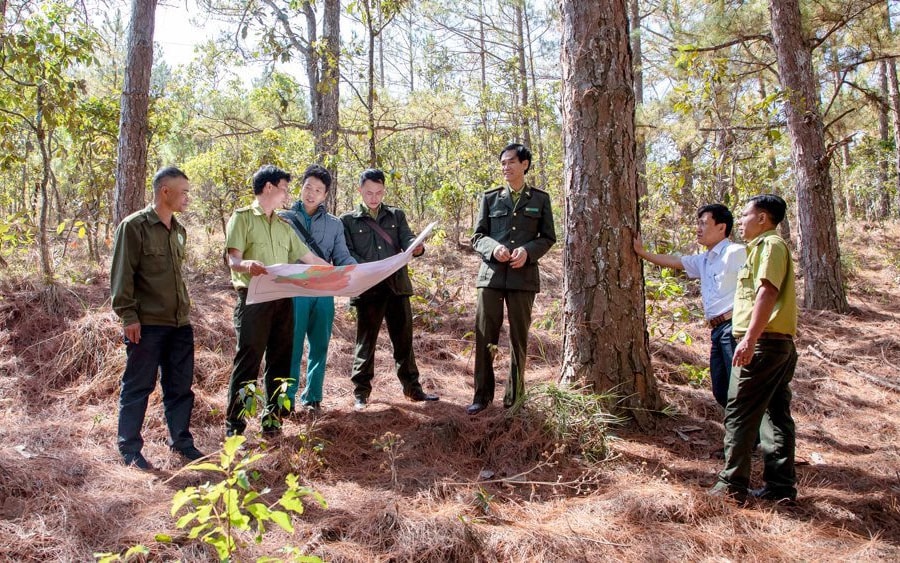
point(492, 190)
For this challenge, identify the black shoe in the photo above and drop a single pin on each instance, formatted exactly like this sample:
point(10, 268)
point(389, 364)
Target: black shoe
point(360, 404)
point(475, 408)
point(419, 395)
point(229, 432)
point(136, 459)
point(189, 453)
point(780, 496)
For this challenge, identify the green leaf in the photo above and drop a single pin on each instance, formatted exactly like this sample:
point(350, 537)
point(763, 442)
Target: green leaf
point(163, 538)
point(283, 520)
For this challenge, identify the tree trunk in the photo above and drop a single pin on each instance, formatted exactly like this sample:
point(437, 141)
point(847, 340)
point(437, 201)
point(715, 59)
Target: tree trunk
point(328, 118)
point(43, 141)
point(640, 156)
point(131, 166)
point(524, 122)
point(536, 103)
point(819, 251)
point(884, 134)
point(605, 335)
point(895, 106)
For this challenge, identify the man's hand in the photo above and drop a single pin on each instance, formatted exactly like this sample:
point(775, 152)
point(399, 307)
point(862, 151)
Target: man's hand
point(518, 258)
point(638, 244)
point(501, 253)
point(744, 352)
point(133, 333)
point(254, 267)
point(419, 250)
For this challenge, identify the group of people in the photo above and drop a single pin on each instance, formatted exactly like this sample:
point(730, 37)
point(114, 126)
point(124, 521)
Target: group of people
point(750, 306)
point(514, 230)
point(747, 293)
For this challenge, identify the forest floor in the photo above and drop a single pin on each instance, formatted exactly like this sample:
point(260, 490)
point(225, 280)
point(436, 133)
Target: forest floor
point(494, 487)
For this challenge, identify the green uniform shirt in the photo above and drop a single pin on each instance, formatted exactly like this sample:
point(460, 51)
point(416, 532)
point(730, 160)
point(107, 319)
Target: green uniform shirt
point(270, 240)
point(768, 258)
point(145, 276)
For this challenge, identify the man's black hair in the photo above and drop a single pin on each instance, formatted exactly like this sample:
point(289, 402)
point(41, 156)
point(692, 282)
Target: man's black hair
point(720, 214)
point(164, 174)
point(373, 174)
point(268, 174)
point(522, 153)
point(318, 171)
point(771, 204)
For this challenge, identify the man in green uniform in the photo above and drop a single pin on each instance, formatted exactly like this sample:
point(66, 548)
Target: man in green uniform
point(375, 231)
point(151, 298)
point(759, 395)
point(256, 236)
point(514, 230)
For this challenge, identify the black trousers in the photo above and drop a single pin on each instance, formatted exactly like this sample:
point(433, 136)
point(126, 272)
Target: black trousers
point(264, 330)
point(169, 351)
point(371, 311)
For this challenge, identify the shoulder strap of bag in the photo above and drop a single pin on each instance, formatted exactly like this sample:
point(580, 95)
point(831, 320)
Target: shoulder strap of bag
point(374, 224)
point(311, 242)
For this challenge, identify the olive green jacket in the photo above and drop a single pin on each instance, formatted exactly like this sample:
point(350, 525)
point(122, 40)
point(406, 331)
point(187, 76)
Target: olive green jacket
point(528, 225)
point(366, 245)
point(145, 277)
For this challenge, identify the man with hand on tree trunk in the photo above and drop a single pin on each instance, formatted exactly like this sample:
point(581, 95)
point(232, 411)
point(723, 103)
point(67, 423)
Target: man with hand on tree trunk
point(717, 269)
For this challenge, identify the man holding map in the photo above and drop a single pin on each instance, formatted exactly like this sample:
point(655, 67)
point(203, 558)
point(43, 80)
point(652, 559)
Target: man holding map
point(375, 231)
point(256, 237)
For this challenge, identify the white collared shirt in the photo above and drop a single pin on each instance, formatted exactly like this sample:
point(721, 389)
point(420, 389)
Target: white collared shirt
point(717, 269)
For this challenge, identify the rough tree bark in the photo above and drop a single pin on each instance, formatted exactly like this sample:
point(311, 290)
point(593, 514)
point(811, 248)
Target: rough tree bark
point(131, 166)
point(819, 251)
point(605, 334)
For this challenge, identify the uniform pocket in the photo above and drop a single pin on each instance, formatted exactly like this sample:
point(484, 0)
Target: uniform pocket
point(499, 218)
point(154, 258)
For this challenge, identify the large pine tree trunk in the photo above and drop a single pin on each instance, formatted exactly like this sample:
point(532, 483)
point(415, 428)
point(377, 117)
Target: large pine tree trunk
point(819, 252)
point(131, 166)
point(606, 342)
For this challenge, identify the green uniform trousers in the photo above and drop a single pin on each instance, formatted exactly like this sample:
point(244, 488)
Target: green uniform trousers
point(370, 312)
point(488, 319)
point(759, 401)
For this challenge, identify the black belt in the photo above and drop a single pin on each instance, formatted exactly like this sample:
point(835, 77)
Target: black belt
point(716, 321)
point(768, 336)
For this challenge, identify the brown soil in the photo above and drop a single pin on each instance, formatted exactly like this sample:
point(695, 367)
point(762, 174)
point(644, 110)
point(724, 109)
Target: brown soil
point(64, 494)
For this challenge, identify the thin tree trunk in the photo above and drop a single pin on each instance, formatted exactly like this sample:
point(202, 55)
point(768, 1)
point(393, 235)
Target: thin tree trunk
point(524, 122)
point(542, 170)
point(640, 155)
point(43, 139)
point(328, 88)
point(819, 250)
point(894, 91)
point(605, 335)
point(131, 166)
point(884, 134)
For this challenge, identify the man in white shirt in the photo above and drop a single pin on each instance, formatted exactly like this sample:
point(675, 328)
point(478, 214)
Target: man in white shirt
point(717, 269)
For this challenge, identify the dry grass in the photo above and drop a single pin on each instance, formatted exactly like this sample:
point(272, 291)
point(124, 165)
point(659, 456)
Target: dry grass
point(496, 487)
